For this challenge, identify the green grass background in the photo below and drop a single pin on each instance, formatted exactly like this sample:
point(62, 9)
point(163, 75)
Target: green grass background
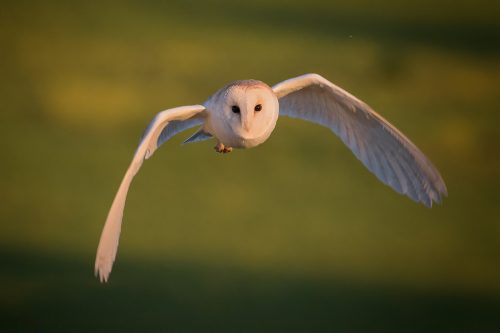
point(294, 235)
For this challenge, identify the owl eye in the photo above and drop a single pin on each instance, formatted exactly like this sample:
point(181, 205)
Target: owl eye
point(258, 107)
point(235, 109)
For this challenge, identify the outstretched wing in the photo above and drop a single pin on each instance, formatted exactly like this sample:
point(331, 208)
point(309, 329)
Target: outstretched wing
point(156, 133)
point(383, 149)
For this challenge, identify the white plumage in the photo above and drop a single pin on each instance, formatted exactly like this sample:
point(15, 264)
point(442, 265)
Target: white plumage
point(243, 114)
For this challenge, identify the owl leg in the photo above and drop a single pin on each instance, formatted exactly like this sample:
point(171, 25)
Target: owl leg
point(220, 148)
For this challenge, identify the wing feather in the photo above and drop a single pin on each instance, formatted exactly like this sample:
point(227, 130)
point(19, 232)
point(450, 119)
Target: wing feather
point(153, 137)
point(382, 148)
point(176, 126)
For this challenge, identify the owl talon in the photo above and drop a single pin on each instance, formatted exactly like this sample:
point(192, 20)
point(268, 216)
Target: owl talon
point(220, 148)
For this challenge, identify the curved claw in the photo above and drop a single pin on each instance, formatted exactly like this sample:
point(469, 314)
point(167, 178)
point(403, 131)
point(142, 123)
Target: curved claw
point(220, 148)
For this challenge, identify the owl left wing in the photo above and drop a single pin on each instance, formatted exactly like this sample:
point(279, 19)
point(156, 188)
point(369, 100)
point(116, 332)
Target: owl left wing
point(380, 146)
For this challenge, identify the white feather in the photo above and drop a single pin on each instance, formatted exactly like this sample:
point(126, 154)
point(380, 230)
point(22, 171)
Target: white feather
point(383, 149)
point(108, 244)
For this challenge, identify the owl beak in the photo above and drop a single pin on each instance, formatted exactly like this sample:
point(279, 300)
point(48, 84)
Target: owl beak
point(246, 120)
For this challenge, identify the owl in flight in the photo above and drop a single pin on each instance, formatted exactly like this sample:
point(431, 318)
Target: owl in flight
point(243, 114)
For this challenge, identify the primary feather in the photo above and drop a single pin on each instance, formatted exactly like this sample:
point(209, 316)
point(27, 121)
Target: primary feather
point(384, 150)
point(108, 244)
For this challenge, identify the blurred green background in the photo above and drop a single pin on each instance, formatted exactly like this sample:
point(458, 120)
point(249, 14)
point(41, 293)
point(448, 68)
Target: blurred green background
point(294, 235)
